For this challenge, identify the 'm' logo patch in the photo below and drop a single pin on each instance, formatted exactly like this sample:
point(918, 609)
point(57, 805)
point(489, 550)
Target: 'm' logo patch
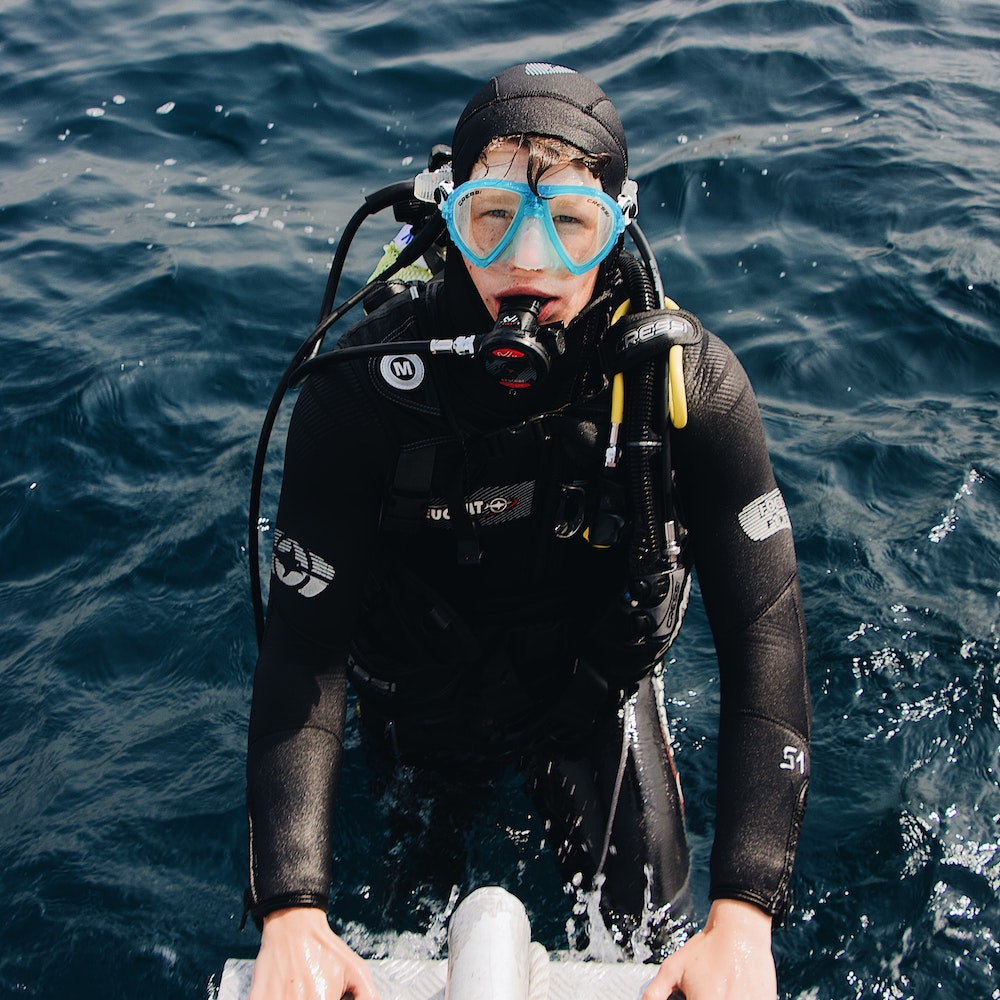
point(402, 371)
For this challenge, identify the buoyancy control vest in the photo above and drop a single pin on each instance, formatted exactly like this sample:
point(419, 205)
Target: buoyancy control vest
point(544, 479)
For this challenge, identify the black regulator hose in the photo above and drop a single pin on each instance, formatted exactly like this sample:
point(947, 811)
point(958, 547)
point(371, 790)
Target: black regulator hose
point(376, 202)
point(425, 237)
point(646, 443)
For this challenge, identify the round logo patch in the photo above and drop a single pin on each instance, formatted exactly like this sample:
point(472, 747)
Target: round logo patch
point(402, 371)
point(296, 567)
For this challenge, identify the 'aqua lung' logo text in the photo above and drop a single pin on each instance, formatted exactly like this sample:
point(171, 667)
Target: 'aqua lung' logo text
point(477, 508)
point(492, 503)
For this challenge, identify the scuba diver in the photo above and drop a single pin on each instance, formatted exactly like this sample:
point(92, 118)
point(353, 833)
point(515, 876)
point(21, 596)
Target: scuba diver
point(496, 486)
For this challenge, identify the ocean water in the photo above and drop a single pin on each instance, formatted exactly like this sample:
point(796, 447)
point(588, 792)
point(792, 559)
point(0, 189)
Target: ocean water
point(820, 182)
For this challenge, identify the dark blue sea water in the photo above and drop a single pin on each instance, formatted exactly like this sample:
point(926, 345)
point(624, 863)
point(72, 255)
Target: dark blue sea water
point(821, 185)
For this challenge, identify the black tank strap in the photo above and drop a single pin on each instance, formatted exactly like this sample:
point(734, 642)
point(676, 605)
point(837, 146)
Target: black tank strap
point(410, 491)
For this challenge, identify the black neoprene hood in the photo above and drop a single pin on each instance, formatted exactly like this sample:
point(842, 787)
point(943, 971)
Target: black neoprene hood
point(545, 100)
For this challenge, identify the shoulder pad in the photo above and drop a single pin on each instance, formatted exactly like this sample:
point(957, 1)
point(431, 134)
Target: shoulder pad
point(645, 335)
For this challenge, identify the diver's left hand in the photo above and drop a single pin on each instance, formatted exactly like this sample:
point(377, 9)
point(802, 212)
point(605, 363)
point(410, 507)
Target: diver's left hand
point(730, 959)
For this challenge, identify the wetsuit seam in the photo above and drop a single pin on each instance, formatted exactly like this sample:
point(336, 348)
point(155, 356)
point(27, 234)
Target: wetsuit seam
point(275, 734)
point(710, 368)
point(783, 590)
point(416, 445)
point(750, 713)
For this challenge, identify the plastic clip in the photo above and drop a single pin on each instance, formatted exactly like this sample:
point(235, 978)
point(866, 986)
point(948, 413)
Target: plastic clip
point(628, 200)
point(433, 186)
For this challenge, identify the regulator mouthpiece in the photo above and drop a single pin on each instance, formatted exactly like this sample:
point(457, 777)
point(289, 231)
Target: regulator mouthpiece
point(512, 351)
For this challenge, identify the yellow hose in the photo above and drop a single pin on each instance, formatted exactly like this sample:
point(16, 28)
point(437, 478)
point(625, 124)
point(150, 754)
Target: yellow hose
point(618, 399)
point(621, 311)
point(676, 393)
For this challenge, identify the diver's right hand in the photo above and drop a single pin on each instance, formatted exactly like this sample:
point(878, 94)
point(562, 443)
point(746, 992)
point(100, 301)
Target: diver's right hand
point(300, 958)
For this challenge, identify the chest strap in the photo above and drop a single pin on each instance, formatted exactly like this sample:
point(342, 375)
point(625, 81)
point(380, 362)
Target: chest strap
point(410, 494)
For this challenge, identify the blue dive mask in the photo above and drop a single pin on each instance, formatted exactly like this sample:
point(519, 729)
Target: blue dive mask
point(569, 226)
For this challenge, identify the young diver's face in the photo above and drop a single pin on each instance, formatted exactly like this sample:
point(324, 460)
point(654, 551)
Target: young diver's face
point(529, 268)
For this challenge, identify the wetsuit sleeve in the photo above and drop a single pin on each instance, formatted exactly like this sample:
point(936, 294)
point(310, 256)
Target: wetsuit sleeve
point(326, 524)
point(745, 561)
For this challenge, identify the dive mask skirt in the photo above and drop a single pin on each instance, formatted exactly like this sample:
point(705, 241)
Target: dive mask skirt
point(486, 220)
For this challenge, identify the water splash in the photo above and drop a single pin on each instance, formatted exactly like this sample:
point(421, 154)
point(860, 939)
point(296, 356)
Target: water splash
point(593, 939)
point(405, 944)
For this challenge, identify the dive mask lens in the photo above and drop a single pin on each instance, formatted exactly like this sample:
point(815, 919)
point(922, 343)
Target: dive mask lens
point(584, 223)
point(486, 220)
point(482, 217)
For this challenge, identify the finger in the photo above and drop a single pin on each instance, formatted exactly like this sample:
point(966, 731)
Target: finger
point(663, 987)
point(361, 986)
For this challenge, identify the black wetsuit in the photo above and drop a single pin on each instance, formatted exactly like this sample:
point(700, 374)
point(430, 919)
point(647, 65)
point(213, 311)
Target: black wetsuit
point(418, 555)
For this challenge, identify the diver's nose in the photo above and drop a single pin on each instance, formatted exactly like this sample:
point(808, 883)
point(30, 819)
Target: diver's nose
point(531, 250)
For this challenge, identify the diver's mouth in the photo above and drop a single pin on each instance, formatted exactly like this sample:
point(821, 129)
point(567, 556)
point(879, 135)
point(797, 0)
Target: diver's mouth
point(549, 306)
point(547, 302)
